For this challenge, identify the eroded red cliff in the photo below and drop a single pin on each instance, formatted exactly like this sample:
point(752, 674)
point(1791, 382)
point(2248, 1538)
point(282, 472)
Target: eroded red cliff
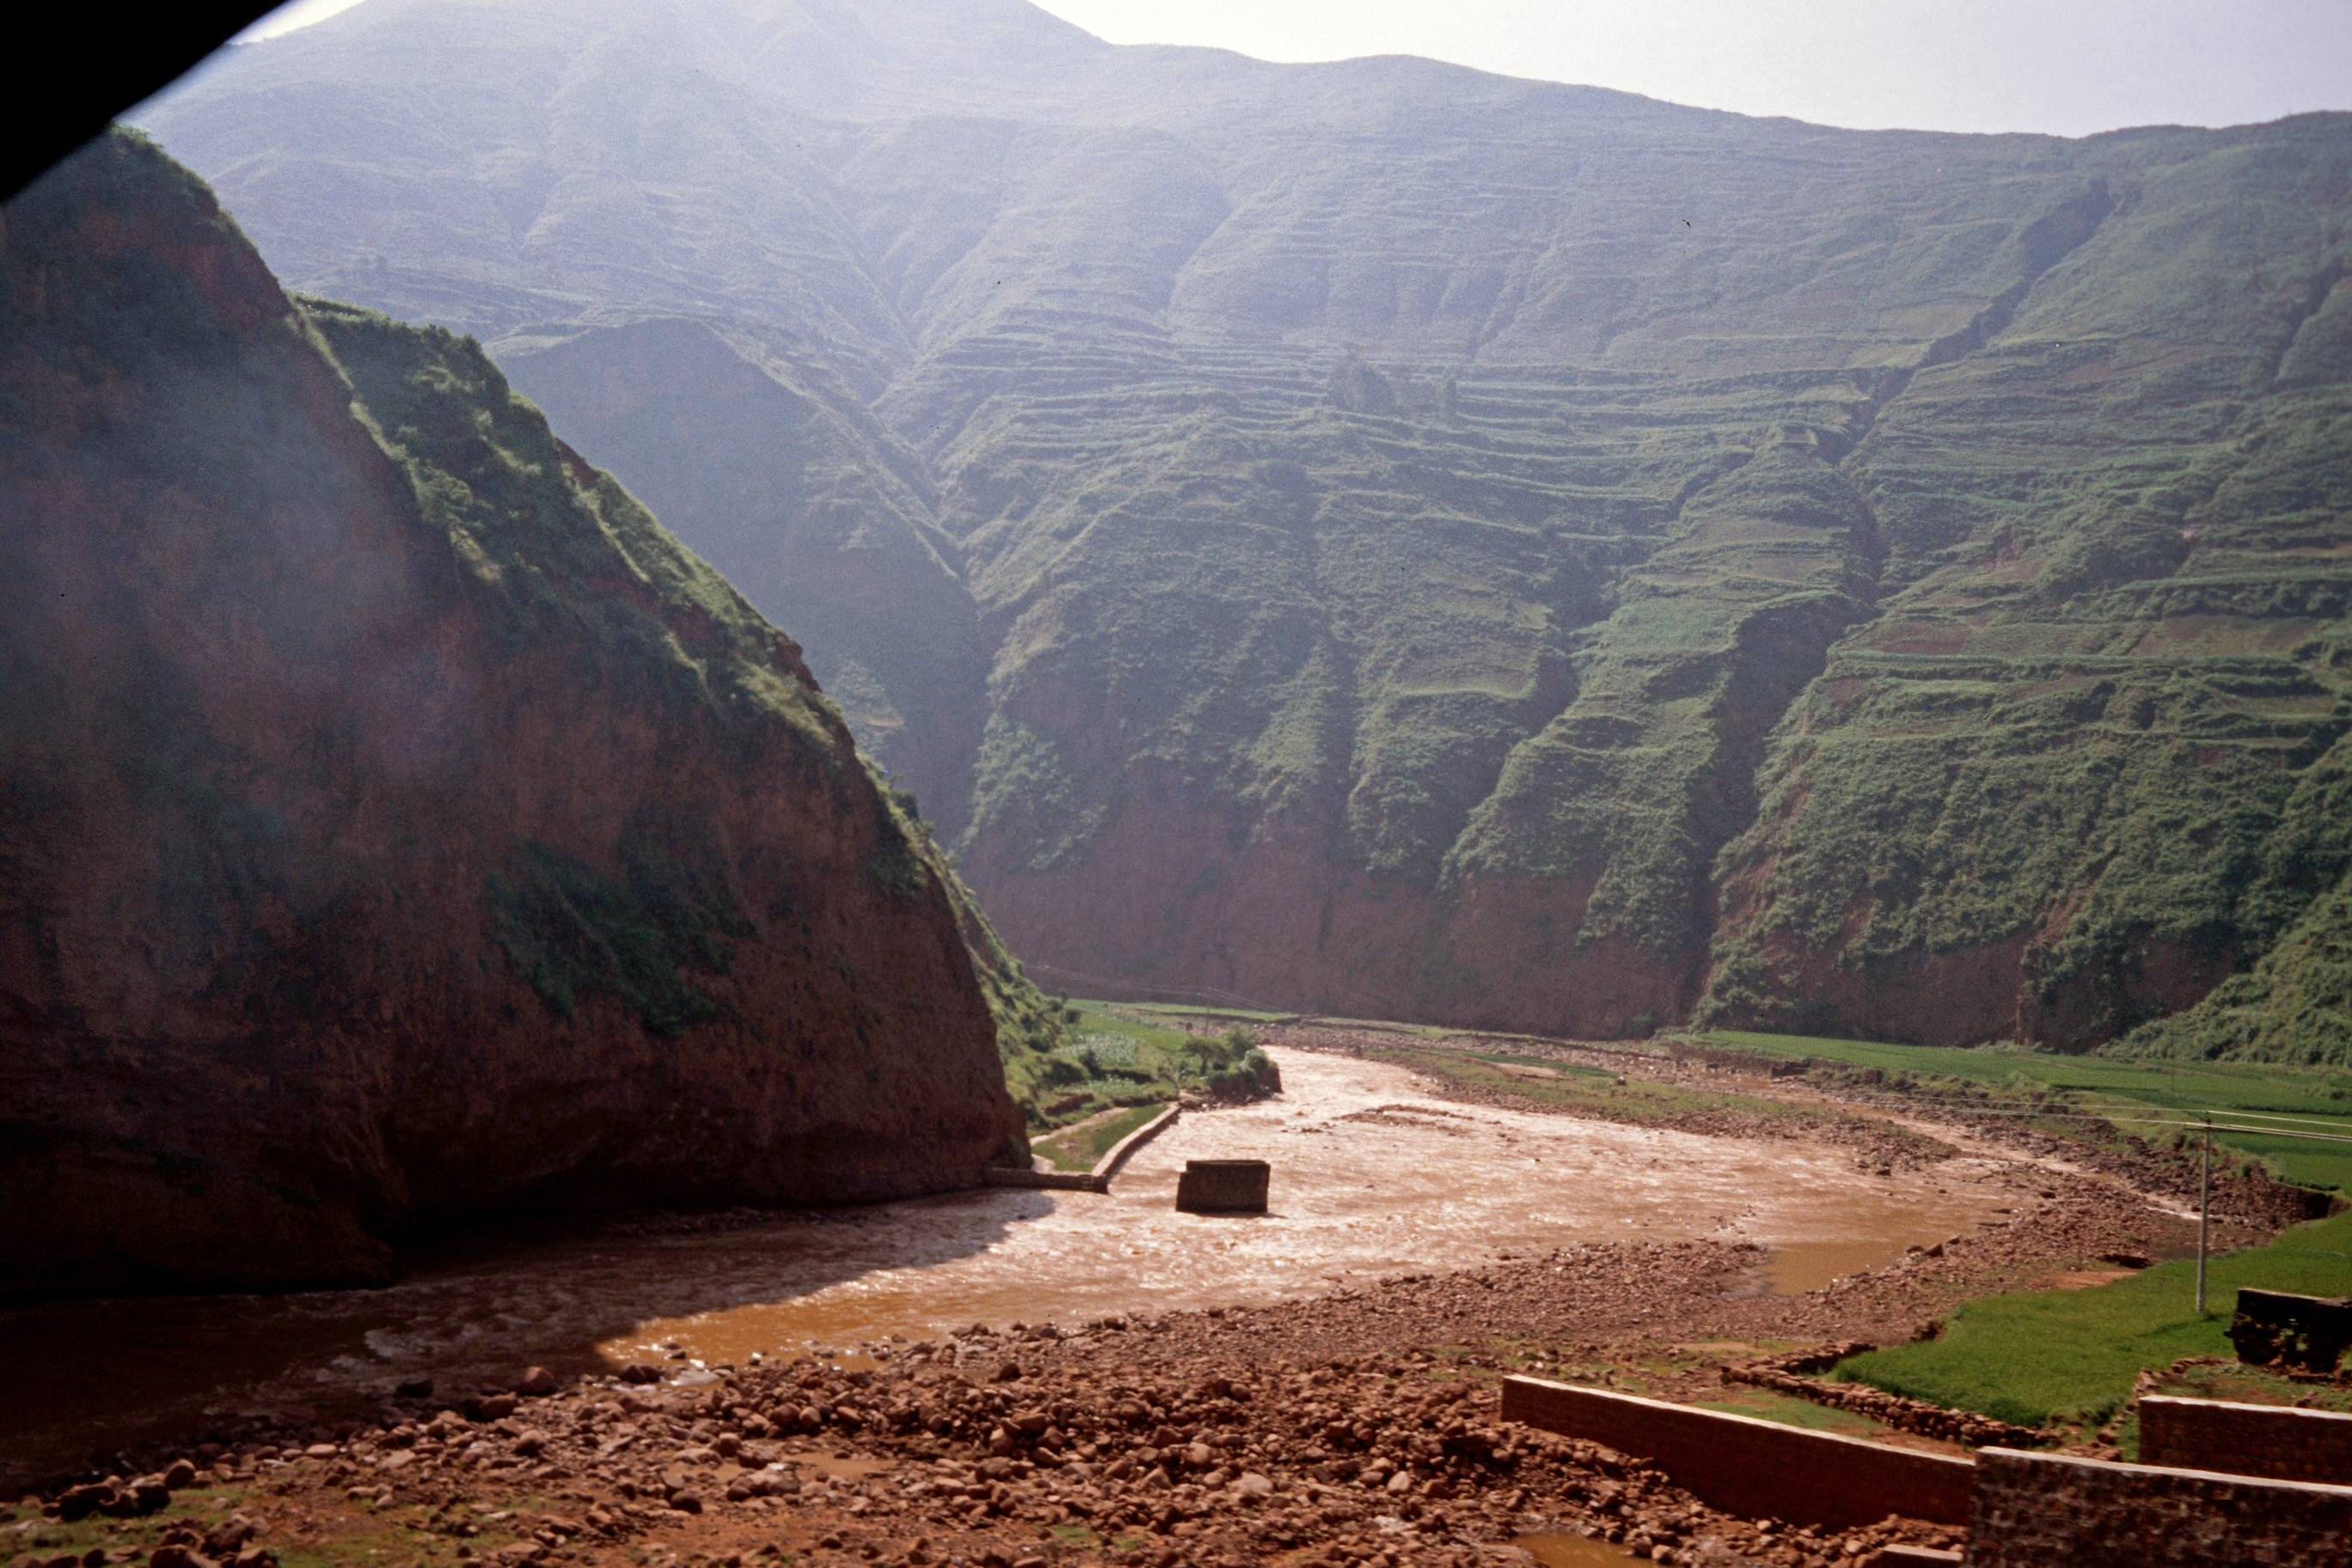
point(395, 823)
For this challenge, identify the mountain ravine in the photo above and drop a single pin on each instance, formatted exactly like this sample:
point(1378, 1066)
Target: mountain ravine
point(396, 825)
point(1386, 540)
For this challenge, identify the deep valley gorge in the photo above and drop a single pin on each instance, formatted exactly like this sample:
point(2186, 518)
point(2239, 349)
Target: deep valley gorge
point(1381, 540)
point(855, 783)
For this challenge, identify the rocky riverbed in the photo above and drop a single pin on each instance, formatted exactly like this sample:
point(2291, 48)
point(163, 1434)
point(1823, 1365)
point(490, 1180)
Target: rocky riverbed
point(1353, 1423)
point(1222, 1436)
point(1149, 1442)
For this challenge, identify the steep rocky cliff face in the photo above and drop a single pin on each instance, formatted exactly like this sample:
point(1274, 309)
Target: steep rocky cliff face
point(1381, 538)
point(395, 823)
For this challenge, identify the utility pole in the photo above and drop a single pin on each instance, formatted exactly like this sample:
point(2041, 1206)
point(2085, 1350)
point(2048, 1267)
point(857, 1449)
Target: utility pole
point(2204, 1212)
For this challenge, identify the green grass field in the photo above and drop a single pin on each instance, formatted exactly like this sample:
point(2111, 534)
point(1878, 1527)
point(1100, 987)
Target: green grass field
point(1077, 1147)
point(2167, 1091)
point(2072, 1355)
point(1765, 1406)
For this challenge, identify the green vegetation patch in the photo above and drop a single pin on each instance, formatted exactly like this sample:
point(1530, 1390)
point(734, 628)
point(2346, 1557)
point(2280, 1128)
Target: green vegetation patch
point(1112, 1055)
point(1765, 1406)
point(570, 932)
point(2316, 1100)
point(1080, 1148)
point(2036, 1357)
point(552, 549)
point(2294, 1005)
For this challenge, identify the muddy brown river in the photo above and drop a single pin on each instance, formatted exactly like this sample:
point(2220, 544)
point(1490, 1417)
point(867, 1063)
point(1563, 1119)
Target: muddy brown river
point(1371, 1176)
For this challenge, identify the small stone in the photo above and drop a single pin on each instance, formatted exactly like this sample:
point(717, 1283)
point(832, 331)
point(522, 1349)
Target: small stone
point(320, 1451)
point(228, 1537)
point(538, 1383)
point(414, 1388)
point(1399, 1483)
point(640, 1373)
point(77, 1503)
point(499, 1406)
point(181, 1474)
point(1253, 1485)
point(179, 1557)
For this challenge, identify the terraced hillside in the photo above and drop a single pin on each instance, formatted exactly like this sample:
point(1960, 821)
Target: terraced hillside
point(1383, 539)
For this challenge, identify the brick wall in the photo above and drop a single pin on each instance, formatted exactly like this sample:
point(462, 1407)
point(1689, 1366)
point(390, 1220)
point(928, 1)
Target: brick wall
point(2046, 1510)
point(2246, 1439)
point(1759, 1468)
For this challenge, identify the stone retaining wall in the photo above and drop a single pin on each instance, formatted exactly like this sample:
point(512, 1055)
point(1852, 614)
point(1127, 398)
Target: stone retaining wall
point(1759, 1468)
point(1109, 1165)
point(2048, 1510)
point(2271, 1440)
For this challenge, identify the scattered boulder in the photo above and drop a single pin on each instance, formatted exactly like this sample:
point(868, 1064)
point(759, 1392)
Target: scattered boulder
point(176, 1557)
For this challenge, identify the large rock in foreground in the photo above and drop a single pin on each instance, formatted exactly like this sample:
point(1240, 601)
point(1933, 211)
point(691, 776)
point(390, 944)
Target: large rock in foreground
point(395, 823)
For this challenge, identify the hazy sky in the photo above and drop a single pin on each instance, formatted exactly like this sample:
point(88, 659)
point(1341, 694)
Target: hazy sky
point(2070, 67)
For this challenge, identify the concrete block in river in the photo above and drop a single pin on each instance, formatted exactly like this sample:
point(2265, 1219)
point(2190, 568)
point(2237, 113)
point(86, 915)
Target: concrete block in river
point(1222, 1186)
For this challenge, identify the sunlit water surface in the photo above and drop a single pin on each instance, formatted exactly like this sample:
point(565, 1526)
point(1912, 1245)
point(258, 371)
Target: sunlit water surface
point(1371, 1176)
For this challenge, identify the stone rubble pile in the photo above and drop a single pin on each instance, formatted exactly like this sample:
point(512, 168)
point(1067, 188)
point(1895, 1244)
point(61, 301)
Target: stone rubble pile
point(992, 1448)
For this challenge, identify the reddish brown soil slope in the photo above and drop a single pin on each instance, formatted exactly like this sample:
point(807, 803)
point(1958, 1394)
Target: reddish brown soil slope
point(360, 870)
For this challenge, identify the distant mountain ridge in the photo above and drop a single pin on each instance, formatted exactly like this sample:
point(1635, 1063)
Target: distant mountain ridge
point(1385, 539)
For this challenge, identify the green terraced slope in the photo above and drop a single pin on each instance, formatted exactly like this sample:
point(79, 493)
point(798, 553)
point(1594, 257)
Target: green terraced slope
point(1382, 539)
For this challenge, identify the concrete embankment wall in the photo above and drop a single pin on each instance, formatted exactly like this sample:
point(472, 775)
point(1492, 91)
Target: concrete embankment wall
point(1108, 1166)
point(1759, 1468)
point(1094, 1181)
point(2047, 1511)
point(2271, 1440)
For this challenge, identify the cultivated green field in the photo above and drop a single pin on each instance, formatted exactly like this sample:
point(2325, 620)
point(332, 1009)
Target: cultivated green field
point(1112, 1055)
point(2072, 1355)
point(2246, 1098)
